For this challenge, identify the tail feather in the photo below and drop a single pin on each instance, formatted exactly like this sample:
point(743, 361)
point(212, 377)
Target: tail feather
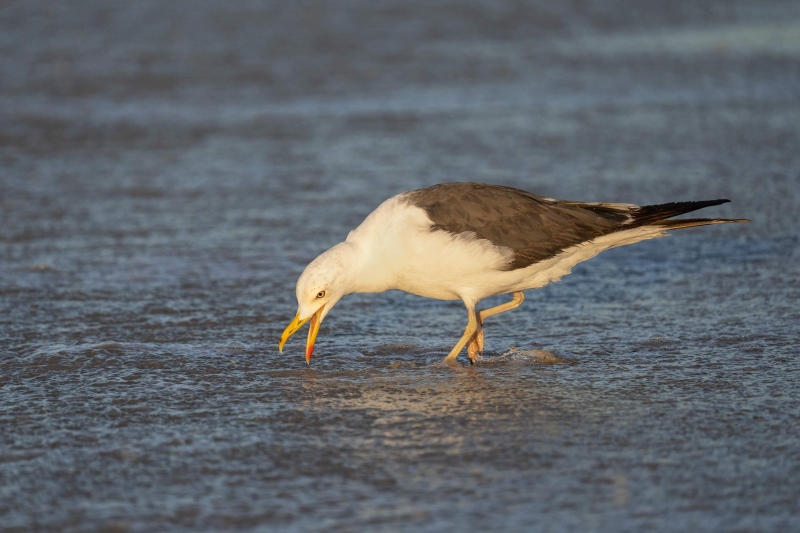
point(692, 222)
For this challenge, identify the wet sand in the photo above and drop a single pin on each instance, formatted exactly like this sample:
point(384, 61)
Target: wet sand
point(168, 170)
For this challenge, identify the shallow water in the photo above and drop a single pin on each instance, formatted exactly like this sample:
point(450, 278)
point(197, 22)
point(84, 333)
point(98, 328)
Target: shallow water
point(168, 170)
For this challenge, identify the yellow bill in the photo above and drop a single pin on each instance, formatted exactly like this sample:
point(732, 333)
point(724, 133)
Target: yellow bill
point(296, 324)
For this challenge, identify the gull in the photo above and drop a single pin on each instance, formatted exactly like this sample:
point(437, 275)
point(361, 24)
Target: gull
point(470, 241)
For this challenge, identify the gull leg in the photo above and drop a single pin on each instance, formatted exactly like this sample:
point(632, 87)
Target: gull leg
point(515, 302)
point(475, 345)
point(469, 331)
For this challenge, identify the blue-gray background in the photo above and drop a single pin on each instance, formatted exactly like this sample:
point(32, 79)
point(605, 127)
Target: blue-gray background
point(167, 169)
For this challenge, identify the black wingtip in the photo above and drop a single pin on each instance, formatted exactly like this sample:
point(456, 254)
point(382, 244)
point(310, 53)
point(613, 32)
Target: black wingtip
point(708, 203)
point(650, 214)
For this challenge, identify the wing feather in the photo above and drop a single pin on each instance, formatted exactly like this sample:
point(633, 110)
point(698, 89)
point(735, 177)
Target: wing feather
point(535, 228)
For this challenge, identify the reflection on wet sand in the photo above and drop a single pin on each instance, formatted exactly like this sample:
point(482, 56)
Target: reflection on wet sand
point(169, 168)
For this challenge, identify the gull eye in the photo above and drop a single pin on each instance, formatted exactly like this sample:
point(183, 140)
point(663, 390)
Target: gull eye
point(320, 294)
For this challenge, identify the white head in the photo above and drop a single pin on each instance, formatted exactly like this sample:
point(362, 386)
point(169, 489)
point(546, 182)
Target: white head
point(323, 283)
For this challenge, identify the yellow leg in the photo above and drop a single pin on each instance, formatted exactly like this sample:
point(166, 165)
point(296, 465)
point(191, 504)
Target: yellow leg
point(469, 331)
point(475, 345)
point(515, 302)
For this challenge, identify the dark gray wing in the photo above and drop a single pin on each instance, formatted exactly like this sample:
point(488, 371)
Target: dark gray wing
point(534, 227)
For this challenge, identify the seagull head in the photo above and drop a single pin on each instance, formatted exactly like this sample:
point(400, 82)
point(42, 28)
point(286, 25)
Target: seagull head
point(323, 283)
